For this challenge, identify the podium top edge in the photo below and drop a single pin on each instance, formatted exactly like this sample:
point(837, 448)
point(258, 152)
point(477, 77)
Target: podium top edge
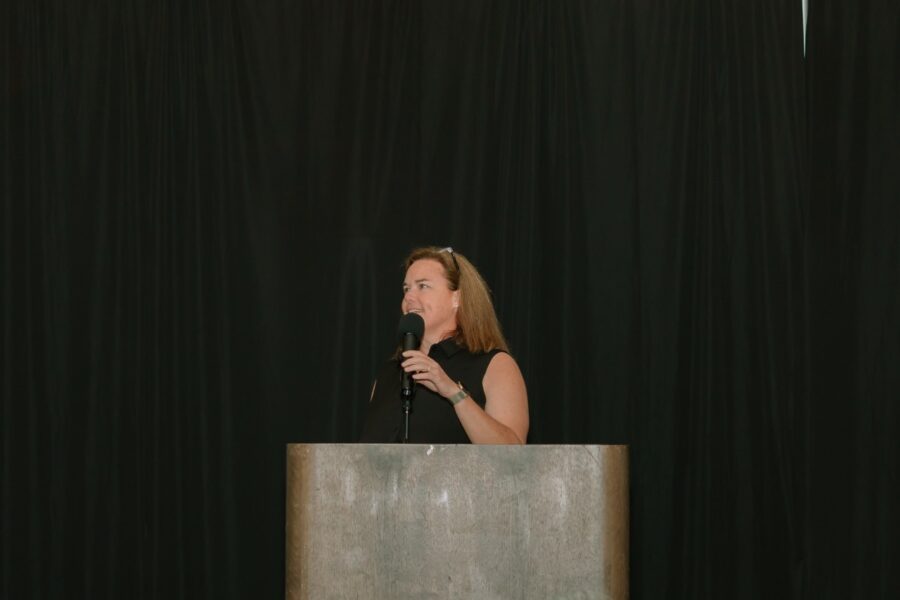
point(519, 446)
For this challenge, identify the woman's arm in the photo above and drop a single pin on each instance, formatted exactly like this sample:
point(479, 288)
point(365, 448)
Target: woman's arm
point(504, 419)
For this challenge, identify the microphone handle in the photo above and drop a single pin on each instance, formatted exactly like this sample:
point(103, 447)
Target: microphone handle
point(410, 342)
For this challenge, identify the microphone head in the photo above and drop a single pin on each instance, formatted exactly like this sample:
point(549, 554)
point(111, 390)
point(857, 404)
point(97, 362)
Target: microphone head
point(411, 323)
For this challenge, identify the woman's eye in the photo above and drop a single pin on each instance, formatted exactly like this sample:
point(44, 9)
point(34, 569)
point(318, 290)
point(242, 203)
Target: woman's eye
point(422, 286)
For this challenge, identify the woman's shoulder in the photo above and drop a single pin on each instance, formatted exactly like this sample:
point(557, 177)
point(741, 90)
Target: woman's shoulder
point(503, 373)
point(485, 356)
point(487, 360)
point(501, 359)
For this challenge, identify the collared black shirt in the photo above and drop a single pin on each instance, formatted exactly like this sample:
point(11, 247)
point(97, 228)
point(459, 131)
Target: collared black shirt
point(432, 419)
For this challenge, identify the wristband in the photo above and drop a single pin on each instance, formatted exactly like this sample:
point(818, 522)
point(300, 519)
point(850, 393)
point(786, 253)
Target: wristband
point(459, 396)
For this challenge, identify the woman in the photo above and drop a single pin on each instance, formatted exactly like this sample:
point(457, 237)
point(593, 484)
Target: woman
point(468, 387)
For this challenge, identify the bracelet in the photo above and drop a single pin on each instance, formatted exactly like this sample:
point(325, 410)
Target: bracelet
point(459, 396)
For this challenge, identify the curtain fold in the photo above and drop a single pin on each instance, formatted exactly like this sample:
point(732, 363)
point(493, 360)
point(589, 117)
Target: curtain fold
point(853, 93)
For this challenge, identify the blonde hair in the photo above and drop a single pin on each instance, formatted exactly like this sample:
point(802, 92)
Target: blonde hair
point(477, 327)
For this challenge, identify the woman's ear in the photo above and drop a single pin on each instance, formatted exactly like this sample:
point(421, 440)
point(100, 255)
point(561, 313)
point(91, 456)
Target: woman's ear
point(456, 299)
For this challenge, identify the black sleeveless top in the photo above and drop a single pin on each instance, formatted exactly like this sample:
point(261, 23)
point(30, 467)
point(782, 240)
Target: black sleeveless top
point(432, 419)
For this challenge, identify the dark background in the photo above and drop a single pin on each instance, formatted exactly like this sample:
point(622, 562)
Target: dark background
point(692, 233)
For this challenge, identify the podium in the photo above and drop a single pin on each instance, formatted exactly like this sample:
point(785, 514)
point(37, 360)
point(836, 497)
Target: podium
point(453, 521)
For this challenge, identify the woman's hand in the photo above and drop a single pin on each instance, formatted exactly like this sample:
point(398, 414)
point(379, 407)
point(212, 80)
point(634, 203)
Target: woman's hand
point(428, 373)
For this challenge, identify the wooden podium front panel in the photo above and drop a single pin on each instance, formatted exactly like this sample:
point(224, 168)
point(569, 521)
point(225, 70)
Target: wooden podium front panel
point(423, 521)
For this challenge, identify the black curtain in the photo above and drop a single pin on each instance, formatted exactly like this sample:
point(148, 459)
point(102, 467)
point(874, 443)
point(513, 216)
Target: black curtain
point(854, 238)
point(690, 229)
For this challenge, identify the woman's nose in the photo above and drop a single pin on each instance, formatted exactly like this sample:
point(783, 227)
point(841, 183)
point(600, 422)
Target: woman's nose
point(408, 297)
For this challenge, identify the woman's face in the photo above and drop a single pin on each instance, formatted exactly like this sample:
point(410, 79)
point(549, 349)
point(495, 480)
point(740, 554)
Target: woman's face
point(426, 291)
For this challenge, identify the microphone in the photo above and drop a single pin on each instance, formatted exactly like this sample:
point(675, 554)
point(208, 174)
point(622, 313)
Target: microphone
point(410, 329)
